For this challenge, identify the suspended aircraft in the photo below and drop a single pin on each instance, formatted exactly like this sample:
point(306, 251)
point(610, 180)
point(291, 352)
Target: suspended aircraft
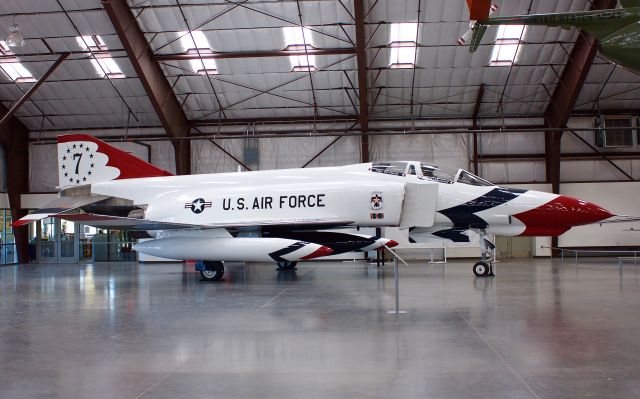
point(617, 30)
point(285, 216)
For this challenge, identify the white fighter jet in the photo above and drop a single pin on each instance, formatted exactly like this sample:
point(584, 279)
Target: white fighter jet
point(284, 215)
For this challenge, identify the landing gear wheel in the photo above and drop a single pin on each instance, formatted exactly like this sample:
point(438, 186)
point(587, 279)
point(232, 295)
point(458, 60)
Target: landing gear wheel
point(286, 265)
point(481, 269)
point(213, 271)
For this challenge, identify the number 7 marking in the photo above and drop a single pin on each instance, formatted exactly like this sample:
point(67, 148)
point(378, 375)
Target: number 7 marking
point(79, 156)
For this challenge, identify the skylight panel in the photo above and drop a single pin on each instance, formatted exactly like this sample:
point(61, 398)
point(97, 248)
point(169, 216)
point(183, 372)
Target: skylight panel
point(102, 61)
point(12, 66)
point(507, 46)
point(299, 39)
point(403, 39)
point(196, 43)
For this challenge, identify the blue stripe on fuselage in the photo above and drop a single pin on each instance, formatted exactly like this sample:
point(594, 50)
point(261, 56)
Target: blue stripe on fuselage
point(464, 215)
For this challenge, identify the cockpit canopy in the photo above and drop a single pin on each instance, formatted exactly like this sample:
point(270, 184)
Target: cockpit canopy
point(428, 171)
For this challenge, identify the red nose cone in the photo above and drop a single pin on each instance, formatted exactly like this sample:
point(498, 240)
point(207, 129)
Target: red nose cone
point(392, 243)
point(564, 211)
point(320, 252)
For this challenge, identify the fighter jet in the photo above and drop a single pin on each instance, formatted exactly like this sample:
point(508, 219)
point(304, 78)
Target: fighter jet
point(288, 213)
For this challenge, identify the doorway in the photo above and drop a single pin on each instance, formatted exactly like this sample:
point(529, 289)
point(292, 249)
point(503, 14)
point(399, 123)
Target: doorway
point(514, 247)
point(56, 241)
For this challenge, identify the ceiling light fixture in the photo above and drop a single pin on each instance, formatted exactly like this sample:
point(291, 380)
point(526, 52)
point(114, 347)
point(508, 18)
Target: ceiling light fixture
point(15, 38)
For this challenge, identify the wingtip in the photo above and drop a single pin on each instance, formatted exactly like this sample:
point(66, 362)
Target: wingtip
point(20, 223)
point(318, 253)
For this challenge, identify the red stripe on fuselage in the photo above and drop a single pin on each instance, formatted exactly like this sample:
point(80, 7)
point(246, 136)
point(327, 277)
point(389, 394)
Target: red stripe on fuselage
point(559, 215)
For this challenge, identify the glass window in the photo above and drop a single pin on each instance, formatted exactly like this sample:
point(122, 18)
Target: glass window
point(390, 168)
point(471, 179)
point(432, 172)
point(7, 239)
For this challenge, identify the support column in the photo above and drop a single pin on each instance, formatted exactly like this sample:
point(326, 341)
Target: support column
point(14, 138)
point(153, 80)
point(361, 56)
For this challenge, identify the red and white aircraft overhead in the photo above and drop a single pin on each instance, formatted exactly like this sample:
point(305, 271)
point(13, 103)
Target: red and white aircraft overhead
point(284, 215)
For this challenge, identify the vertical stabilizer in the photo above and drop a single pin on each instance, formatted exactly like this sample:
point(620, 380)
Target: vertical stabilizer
point(83, 159)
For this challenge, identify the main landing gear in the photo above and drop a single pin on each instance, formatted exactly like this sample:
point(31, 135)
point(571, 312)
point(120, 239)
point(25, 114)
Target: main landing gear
point(484, 268)
point(286, 265)
point(210, 270)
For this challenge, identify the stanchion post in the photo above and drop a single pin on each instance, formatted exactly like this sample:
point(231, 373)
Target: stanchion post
point(395, 272)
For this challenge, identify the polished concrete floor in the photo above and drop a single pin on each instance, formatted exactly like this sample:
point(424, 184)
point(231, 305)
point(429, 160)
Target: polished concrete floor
point(541, 329)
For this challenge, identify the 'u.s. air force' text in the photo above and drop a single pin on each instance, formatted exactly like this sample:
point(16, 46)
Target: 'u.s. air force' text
point(268, 202)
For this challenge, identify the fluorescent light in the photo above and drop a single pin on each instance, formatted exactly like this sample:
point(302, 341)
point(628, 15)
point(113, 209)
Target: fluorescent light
point(507, 45)
point(198, 45)
point(404, 32)
point(12, 66)
point(298, 38)
point(199, 41)
point(102, 61)
point(403, 39)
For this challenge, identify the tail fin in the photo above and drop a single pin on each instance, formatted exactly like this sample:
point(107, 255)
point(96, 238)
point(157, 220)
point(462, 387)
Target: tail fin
point(478, 9)
point(83, 159)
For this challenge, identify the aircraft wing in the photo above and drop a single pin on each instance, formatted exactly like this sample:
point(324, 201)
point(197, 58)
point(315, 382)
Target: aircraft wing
point(58, 206)
point(128, 223)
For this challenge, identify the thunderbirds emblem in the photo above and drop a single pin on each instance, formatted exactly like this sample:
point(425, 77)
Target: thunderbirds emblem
point(376, 201)
point(197, 205)
point(77, 163)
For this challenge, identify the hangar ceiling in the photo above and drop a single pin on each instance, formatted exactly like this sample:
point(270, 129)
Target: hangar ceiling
point(252, 76)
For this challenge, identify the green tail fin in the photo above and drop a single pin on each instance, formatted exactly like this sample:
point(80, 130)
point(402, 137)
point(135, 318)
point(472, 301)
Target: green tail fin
point(629, 3)
point(478, 33)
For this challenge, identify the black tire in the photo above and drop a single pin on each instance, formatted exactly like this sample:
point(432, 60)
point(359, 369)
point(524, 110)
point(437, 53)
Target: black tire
point(481, 269)
point(213, 271)
point(286, 265)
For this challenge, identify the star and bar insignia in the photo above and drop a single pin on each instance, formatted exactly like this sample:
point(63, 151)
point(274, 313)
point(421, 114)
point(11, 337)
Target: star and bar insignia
point(198, 205)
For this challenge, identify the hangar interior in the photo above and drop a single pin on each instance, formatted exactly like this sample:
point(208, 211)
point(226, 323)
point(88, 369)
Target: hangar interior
point(204, 86)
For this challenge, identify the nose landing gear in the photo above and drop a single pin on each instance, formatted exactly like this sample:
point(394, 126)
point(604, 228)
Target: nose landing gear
point(286, 265)
point(484, 268)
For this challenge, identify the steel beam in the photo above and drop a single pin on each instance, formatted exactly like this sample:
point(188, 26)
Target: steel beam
point(253, 54)
point(15, 106)
point(361, 56)
point(564, 98)
point(476, 113)
point(153, 80)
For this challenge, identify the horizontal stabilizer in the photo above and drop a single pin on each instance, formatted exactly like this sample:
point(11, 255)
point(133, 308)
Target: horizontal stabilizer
point(58, 206)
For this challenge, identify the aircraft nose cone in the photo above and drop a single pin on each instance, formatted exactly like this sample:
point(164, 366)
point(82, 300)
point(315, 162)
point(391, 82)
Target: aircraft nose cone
point(568, 211)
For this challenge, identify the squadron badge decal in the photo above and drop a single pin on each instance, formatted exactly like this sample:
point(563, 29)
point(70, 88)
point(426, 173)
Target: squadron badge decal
point(377, 202)
point(77, 163)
